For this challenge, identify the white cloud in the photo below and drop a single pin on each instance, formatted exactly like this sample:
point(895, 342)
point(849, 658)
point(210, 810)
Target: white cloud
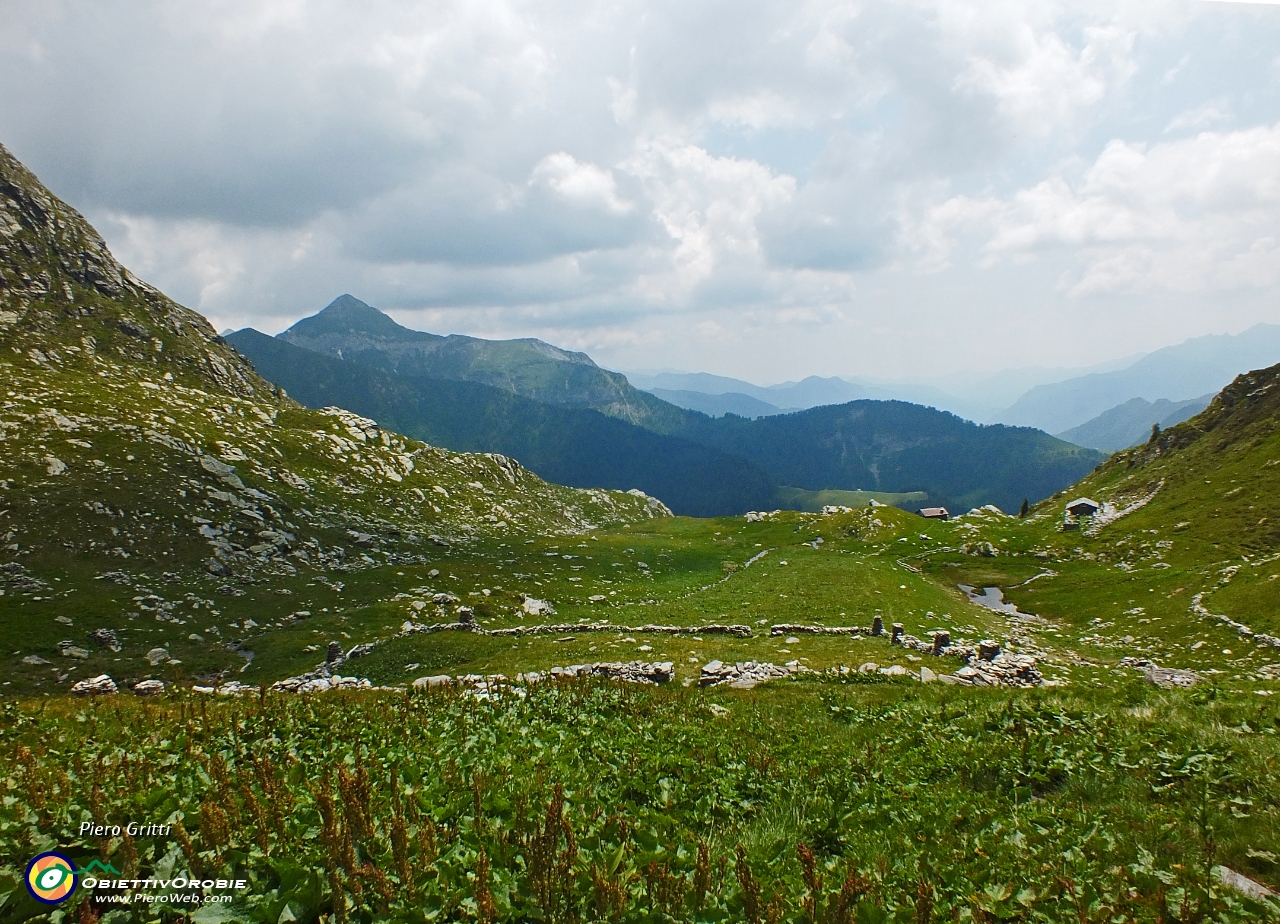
point(755, 178)
point(581, 183)
point(1200, 116)
point(1043, 81)
point(1191, 215)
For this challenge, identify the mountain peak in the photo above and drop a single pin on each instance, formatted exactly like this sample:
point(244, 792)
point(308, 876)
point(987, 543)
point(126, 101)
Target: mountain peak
point(346, 314)
point(63, 294)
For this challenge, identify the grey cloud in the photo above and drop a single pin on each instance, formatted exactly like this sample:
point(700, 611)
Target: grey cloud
point(463, 216)
point(621, 172)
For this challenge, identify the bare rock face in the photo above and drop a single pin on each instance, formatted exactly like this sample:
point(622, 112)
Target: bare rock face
point(95, 686)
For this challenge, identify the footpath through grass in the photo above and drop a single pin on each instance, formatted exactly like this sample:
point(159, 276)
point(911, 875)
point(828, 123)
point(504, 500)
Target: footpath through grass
point(814, 800)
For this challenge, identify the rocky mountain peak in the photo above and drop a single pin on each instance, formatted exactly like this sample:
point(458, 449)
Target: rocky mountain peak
point(347, 314)
point(62, 293)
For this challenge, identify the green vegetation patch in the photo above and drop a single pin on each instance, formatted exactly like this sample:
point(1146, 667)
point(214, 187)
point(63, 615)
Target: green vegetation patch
point(864, 801)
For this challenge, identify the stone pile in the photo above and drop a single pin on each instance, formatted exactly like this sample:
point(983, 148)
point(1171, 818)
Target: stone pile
point(1004, 670)
point(95, 686)
point(787, 628)
point(105, 638)
point(487, 685)
point(69, 649)
point(15, 576)
point(230, 688)
point(626, 671)
point(938, 644)
point(315, 682)
point(745, 674)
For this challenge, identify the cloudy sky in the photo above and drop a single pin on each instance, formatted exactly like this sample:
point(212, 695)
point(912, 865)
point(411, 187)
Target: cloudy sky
point(760, 189)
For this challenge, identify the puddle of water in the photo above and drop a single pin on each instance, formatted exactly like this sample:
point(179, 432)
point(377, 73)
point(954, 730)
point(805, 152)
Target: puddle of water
point(992, 598)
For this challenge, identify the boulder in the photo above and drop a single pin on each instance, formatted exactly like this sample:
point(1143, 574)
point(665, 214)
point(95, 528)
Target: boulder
point(69, 649)
point(1171, 677)
point(430, 683)
point(148, 687)
point(535, 607)
point(158, 656)
point(95, 686)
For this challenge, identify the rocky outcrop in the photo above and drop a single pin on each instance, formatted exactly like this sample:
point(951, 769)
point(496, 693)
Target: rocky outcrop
point(55, 270)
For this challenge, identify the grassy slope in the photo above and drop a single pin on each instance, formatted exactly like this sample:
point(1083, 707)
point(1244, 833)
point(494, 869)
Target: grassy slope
point(919, 804)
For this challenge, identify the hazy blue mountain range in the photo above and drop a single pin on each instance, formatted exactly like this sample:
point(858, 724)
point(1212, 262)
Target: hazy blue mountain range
point(813, 391)
point(1177, 373)
point(718, 405)
point(365, 362)
point(1130, 423)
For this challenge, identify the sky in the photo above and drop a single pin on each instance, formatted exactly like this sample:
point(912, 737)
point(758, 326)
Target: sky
point(758, 189)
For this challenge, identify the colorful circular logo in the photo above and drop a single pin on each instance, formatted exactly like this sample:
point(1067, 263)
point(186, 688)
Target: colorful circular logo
point(51, 878)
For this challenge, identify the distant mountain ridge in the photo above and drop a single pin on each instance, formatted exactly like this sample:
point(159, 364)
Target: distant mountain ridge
point(576, 446)
point(1177, 373)
point(1130, 423)
point(898, 447)
point(704, 466)
point(730, 402)
point(811, 391)
point(349, 329)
